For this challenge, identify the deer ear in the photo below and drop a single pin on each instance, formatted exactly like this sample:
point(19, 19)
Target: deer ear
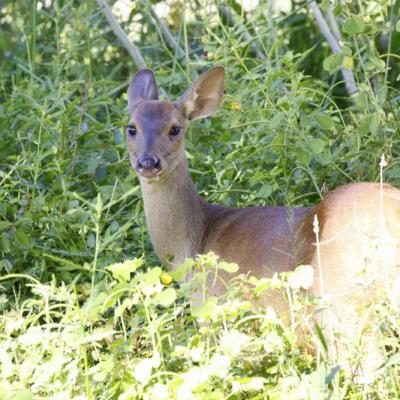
point(143, 86)
point(203, 98)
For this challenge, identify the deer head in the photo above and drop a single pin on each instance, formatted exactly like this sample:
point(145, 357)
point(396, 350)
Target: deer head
point(157, 128)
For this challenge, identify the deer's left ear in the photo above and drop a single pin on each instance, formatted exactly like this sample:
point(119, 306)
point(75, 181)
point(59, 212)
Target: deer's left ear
point(203, 98)
point(143, 86)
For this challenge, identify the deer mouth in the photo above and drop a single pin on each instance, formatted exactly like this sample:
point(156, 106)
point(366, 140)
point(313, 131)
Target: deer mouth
point(149, 176)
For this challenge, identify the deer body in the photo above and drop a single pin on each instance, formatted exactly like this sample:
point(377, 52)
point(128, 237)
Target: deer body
point(181, 224)
point(357, 254)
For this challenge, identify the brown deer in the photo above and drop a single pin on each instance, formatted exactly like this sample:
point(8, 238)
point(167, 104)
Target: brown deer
point(355, 255)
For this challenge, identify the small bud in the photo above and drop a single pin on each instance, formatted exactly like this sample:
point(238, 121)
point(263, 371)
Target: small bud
point(347, 62)
point(166, 278)
point(236, 106)
point(383, 163)
point(315, 224)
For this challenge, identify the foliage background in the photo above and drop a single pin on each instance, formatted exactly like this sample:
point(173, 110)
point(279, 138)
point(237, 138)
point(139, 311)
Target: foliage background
point(69, 202)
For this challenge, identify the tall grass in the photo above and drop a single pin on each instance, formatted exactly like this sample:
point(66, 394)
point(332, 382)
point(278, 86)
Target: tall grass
point(74, 327)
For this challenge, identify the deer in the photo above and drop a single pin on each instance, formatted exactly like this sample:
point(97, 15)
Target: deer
point(351, 238)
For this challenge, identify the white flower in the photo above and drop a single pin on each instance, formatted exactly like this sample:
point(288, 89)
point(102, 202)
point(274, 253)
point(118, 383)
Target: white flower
point(219, 365)
point(276, 283)
point(129, 394)
point(196, 353)
point(192, 379)
point(122, 9)
point(236, 386)
point(272, 342)
point(196, 377)
point(289, 383)
point(160, 391)
point(162, 9)
point(156, 360)
point(233, 341)
point(142, 372)
point(184, 392)
point(33, 335)
point(301, 277)
point(271, 315)
point(256, 383)
point(180, 351)
point(148, 290)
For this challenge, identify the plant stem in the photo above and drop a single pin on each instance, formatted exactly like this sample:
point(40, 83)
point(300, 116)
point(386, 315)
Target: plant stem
point(347, 73)
point(122, 36)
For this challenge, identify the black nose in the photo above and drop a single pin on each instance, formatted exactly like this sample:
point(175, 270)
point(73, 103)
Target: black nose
point(148, 162)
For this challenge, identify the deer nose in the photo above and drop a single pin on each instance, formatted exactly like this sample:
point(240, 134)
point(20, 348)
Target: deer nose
point(149, 162)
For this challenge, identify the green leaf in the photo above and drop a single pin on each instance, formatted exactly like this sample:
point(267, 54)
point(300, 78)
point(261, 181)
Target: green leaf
point(276, 120)
point(180, 273)
point(369, 124)
point(151, 277)
point(316, 145)
point(99, 205)
point(265, 191)
point(126, 304)
point(353, 25)
point(166, 297)
point(122, 271)
point(398, 26)
point(303, 156)
point(21, 238)
point(325, 5)
point(91, 241)
point(333, 62)
point(324, 121)
point(102, 370)
point(228, 267)
point(374, 124)
point(337, 11)
point(306, 121)
point(120, 290)
point(206, 310)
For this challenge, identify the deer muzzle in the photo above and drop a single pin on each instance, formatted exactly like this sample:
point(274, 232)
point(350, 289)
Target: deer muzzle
point(148, 166)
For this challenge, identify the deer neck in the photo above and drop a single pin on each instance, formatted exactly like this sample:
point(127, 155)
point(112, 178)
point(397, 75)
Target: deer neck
point(175, 215)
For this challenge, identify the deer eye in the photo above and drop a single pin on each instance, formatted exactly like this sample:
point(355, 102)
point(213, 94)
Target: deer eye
point(174, 131)
point(131, 130)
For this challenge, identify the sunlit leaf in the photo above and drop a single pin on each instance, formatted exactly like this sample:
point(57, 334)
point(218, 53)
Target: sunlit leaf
point(166, 297)
point(353, 25)
point(333, 62)
point(205, 310)
point(122, 271)
point(228, 267)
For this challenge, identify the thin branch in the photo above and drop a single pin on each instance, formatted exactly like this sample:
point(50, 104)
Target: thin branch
point(122, 36)
point(333, 24)
point(164, 28)
point(347, 73)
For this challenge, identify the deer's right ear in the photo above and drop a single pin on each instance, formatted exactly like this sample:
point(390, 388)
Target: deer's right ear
point(203, 98)
point(143, 86)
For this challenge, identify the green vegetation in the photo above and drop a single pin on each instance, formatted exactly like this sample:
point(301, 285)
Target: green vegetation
point(86, 310)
